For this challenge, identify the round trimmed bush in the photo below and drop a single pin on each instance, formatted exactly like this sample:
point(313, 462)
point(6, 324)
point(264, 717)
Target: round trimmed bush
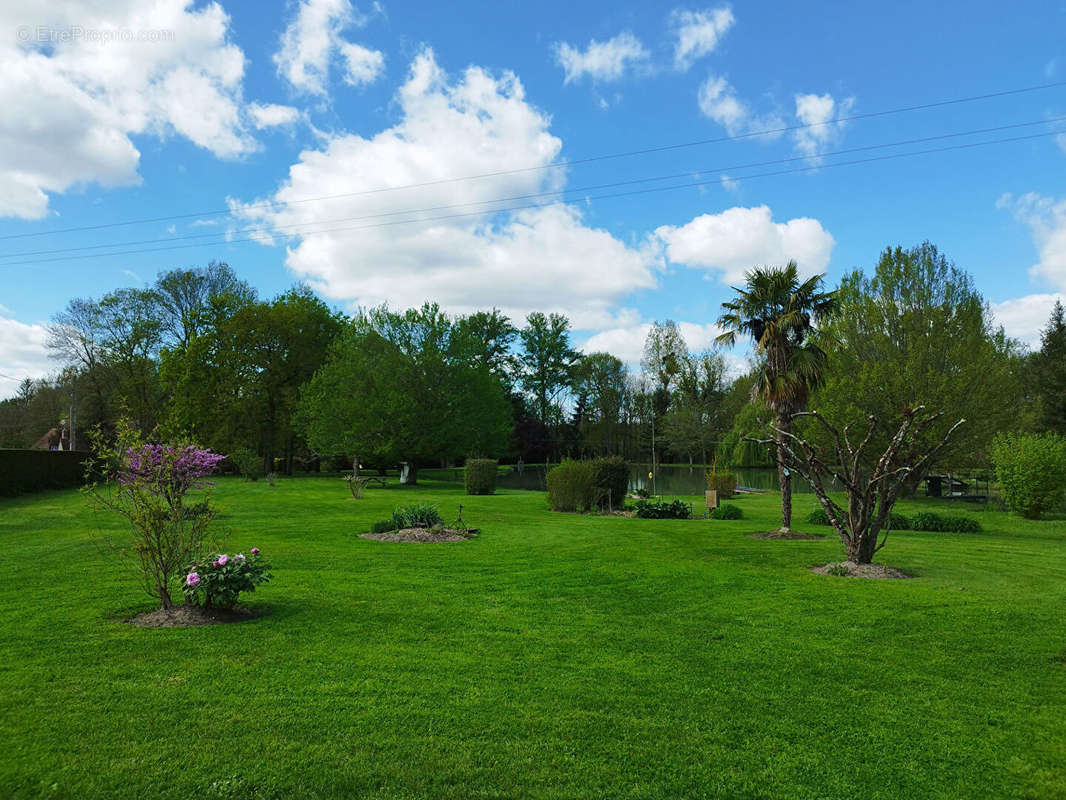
point(481, 475)
point(727, 511)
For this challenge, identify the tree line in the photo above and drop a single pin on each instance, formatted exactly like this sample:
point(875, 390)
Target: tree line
point(199, 353)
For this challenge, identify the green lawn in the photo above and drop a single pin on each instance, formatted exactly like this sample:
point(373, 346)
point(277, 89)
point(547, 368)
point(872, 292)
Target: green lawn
point(554, 656)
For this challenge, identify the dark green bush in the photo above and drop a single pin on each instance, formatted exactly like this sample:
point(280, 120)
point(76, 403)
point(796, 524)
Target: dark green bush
point(417, 515)
point(572, 486)
point(818, 517)
point(248, 464)
point(725, 483)
point(611, 481)
point(660, 509)
point(37, 470)
point(481, 475)
point(945, 523)
point(383, 526)
point(1031, 467)
point(727, 511)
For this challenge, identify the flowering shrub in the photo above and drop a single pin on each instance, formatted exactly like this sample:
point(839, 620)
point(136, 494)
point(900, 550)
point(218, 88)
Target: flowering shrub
point(147, 484)
point(218, 582)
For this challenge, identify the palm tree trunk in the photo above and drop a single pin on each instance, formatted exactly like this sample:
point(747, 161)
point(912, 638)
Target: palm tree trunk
point(784, 423)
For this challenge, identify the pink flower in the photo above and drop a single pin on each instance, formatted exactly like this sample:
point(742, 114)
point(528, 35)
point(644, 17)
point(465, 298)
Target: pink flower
point(254, 551)
point(222, 559)
point(239, 556)
point(216, 564)
point(192, 579)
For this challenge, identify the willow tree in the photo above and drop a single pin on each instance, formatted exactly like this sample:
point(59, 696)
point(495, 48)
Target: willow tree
point(779, 313)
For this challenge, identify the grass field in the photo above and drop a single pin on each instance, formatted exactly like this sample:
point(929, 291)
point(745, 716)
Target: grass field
point(554, 656)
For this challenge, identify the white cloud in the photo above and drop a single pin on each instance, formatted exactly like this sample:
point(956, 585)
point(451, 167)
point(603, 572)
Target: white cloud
point(542, 258)
point(719, 102)
point(698, 33)
point(601, 61)
point(626, 342)
point(821, 112)
point(68, 109)
point(738, 239)
point(362, 65)
point(1046, 219)
point(272, 115)
point(730, 184)
point(313, 39)
point(22, 354)
point(1024, 318)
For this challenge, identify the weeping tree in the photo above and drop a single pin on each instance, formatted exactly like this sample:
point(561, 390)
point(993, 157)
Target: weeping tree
point(871, 483)
point(779, 313)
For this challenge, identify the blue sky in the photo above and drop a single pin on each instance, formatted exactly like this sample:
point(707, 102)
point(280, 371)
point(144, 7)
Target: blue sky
point(216, 106)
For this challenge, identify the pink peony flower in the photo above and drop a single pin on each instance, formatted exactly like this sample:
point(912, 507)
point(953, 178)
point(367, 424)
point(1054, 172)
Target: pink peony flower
point(192, 579)
point(254, 551)
point(216, 564)
point(223, 559)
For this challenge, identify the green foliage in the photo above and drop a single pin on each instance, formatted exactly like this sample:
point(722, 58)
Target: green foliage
point(611, 479)
point(547, 361)
point(36, 470)
point(572, 486)
point(727, 511)
point(944, 523)
point(481, 475)
point(896, 522)
point(1031, 468)
point(248, 464)
point(1048, 369)
point(405, 387)
point(218, 582)
point(416, 515)
point(725, 483)
point(916, 332)
point(736, 448)
point(661, 509)
point(839, 571)
point(383, 526)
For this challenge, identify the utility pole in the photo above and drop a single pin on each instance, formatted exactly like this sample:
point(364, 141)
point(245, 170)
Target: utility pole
point(74, 412)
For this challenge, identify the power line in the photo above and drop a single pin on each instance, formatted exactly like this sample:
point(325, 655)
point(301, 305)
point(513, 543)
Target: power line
point(559, 164)
point(268, 237)
point(533, 195)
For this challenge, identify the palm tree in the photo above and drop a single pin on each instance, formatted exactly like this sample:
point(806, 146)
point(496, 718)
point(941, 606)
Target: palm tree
point(779, 313)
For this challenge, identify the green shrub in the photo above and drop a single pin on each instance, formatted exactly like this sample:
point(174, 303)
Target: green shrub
point(572, 486)
point(660, 509)
point(611, 480)
point(1031, 468)
point(417, 515)
point(481, 475)
point(383, 526)
point(217, 582)
point(944, 523)
point(727, 511)
point(896, 522)
point(818, 517)
point(248, 464)
point(725, 483)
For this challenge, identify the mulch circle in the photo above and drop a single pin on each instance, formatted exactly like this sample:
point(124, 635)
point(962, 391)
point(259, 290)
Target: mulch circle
point(422, 535)
point(790, 536)
point(186, 616)
point(861, 570)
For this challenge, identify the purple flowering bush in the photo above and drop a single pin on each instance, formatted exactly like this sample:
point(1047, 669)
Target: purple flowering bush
point(148, 484)
point(218, 582)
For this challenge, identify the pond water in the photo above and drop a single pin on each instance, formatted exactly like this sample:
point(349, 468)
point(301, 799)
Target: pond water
point(673, 479)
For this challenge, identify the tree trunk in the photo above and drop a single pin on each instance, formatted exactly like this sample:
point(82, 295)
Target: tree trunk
point(355, 467)
point(784, 423)
point(861, 549)
point(412, 474)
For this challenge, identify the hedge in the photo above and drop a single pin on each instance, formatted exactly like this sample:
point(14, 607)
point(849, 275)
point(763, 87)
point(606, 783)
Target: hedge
point(725, 483)
point(36, 470)
point(481, 475)
point(945, 523)
point(612, 481)
point(572, 486)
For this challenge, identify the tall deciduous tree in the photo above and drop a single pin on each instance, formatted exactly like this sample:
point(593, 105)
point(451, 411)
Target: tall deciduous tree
point(406, 387)
point(547, 359)
point(779, 312)
point(917, 332)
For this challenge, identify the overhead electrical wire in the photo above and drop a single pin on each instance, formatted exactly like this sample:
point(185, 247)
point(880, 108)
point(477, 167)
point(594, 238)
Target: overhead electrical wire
point(556, 164)
point(269, 237)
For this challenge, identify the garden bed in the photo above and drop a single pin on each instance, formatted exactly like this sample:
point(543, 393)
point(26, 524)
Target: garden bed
point(422, 535)
point(186, 616)
point(861, 570)
point(790, 536)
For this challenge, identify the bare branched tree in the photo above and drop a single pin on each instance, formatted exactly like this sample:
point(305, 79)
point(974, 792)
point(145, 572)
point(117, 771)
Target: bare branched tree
point(871, 487)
